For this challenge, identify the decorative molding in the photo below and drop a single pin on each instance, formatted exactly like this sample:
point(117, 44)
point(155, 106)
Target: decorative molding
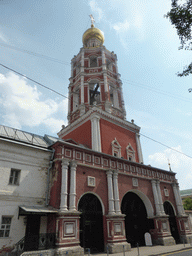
point(91, 181)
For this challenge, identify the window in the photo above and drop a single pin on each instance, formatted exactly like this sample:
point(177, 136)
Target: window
point(130, 153)
point(14, 177)
point(94, 91)
point(116, 148)
point(5, 226)
point(93, 62)
point(75, 100)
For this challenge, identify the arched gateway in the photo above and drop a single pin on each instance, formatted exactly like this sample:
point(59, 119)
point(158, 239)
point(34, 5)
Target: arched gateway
point(91, 223)
point(172, 220)
point(136, 219)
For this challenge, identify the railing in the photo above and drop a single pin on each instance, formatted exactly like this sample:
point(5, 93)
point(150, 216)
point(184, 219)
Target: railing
point(46, 241)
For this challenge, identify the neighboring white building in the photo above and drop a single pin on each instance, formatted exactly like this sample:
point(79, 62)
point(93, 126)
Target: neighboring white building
point(24, 166)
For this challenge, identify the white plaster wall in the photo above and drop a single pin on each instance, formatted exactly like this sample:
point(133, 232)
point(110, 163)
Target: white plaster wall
point(33, 163)
point(17, 230)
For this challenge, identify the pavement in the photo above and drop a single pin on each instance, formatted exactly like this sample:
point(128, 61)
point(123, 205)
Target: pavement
point(151, 250)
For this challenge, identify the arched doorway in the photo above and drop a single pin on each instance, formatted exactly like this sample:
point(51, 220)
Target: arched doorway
point(91, 223)
point(136, 221)
point(172, 221)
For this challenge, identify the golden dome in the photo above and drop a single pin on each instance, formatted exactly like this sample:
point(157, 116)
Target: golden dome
point(93, 33)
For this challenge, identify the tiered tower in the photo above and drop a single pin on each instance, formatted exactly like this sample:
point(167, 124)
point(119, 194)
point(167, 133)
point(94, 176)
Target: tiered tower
point(96, 111)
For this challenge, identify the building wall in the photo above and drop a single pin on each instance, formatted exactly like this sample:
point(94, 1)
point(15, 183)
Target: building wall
point(33, 163)
point(110, 131)
point(82, 135)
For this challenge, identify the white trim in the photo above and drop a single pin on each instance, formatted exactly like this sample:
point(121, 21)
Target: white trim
point(146, 201)
point(171, 205)
point(98, 197)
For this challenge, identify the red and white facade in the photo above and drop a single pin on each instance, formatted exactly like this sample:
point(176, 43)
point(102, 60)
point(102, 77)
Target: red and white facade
point(98, 166)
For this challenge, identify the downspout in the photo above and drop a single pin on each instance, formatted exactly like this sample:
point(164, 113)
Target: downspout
point(48, 178)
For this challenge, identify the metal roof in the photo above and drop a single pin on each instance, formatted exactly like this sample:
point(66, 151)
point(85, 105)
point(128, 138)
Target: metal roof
point(41, 210)
point(18, 135)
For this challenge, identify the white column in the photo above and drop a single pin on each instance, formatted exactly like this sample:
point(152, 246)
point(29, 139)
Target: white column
point(103, 59)
point(72, 194)
point(139, 148)
point(116, 191)
point(160, 198)
point(178, 199)
point(64, 184)
point(71, 68)
point(95, 132)
point(153, 182)
point(110, 193)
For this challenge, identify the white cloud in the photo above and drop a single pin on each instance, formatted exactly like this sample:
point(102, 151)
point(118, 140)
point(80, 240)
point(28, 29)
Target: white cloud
point(180, 163)
point(21, 105)
point(2, 37)
point(96, 9)
point(121, 26)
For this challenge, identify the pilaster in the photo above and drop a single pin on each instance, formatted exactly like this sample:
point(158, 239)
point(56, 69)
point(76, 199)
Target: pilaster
point(116, 192)
point(156, 198)
point(95, 132)
point(140, 155)
point(72, 195)
point(64, 185)
point(111, 209)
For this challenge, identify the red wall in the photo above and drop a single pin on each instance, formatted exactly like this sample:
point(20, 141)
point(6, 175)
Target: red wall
point(81, 135)
point(101, 183)
point(110, 131)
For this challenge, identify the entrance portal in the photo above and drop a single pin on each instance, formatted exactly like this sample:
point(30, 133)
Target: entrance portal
point(136, 221)
point(172, 221)
point(91, 223)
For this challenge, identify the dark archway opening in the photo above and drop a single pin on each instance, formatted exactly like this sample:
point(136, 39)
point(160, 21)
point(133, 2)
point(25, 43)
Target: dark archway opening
point(91, 223)
point(172, 221)
point(136, 221)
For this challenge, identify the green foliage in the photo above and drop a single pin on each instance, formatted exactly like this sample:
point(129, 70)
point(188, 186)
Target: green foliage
point(180, 16)
point(187, 203)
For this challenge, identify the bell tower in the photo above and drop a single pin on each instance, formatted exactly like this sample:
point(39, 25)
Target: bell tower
point(94, 78)
point(96, 111)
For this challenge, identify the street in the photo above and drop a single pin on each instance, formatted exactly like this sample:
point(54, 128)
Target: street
point(187, 252)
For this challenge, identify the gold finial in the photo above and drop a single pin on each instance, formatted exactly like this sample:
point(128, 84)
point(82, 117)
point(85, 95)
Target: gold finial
point(169, 165)
point(92, 20)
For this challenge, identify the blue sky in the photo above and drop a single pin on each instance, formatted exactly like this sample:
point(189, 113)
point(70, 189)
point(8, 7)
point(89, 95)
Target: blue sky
point(148, 59)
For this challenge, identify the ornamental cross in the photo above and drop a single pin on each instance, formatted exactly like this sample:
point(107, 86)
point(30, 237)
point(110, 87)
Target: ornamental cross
point(92, 19)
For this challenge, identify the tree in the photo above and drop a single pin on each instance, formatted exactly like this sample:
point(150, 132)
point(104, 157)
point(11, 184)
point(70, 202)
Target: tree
point(187, 203)
point(181, 17)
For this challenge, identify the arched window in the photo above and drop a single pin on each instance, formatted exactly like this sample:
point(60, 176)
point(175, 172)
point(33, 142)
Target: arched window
point(75, 99)
point(130, 153)
point(116, 148)
point(94, 92)
point(78, 68)
point(109, 65)
point(93, 61)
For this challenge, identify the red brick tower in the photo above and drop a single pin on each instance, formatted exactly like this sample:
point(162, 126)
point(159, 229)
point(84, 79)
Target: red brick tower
point(96, 111)
point(106, 197)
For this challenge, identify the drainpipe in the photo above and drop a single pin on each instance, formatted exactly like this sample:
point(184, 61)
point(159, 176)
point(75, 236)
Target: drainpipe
point(48, 177)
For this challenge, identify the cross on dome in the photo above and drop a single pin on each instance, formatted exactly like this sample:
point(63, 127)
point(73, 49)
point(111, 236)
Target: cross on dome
point(92, 20)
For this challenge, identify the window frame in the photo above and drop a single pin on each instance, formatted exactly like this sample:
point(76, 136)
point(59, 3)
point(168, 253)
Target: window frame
point(13, 179)
point(116, 148)
point(5, 227)
point(130, 153)
point(93, 59)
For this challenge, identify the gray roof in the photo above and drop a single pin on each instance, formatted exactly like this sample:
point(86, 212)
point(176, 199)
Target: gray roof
point(21, 136)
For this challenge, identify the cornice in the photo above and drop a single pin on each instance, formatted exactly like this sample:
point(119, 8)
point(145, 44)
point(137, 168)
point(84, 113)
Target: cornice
point(105, 115)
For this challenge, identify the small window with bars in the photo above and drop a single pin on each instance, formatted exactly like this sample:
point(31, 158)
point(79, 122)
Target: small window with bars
point(14, 177)
point(93, 62)
point(5, 226)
